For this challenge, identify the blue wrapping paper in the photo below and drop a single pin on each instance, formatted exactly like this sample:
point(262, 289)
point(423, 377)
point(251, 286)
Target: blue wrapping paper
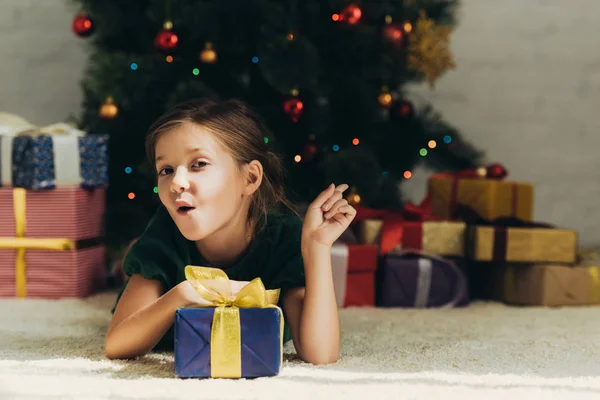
point(36, 164)
point(260, 337)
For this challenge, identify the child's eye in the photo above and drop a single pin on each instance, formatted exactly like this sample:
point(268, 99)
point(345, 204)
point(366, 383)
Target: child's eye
point(165, 171)
point(199, 164)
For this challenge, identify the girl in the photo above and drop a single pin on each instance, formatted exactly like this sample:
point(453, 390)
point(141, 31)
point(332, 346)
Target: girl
point(218, 184)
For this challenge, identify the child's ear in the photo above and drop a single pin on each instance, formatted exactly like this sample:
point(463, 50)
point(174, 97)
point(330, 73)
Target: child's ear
point(254, 175)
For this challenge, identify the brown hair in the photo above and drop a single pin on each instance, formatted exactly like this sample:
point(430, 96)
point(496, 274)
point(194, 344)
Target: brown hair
point(242, 132)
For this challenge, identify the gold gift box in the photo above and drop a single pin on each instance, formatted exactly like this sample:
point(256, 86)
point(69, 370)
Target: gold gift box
point(549, 285)
point(522, 245)
point(444, 238)
point(490, 198)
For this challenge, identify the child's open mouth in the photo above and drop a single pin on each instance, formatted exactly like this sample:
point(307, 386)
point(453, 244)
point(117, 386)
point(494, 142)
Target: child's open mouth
point(183, 210)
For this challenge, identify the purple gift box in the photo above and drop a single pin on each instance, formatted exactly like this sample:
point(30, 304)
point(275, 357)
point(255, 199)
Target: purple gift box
point(419, 280)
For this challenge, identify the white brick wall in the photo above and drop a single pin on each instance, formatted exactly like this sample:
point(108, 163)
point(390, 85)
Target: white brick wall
point(526, 90)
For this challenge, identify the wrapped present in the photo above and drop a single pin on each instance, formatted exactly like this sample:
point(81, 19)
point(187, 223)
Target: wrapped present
point(445, 238)
point(379, 227)
point(239, 336)
point(51, 243)
point(417, 279)
point(548, 285)
point(44, 158)
point(412, 228)
point(353, 268)
point(490, 197)
point(535, 243)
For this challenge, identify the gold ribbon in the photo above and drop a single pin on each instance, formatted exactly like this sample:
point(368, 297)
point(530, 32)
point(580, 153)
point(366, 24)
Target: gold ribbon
point(21, 243)
point(594, 272)
point(225, 340)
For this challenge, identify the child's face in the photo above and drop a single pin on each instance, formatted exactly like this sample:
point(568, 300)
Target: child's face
point(198, 181)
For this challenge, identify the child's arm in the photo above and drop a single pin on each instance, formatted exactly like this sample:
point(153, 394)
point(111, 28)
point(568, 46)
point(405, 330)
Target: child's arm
point(312, 311)
point(143, 315)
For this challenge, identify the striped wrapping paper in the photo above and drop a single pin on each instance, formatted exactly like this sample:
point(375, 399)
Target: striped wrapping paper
point(66, 212)
point(55, 274)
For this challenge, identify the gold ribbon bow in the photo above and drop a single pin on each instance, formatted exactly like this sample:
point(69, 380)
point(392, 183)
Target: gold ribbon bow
point(21, 243)
point(225, 339)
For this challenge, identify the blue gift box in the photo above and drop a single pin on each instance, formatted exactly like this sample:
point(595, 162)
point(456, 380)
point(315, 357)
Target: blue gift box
point(261, 342)
point(47, 161)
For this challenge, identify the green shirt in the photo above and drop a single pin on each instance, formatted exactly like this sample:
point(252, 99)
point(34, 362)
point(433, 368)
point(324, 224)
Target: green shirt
point(161, 253)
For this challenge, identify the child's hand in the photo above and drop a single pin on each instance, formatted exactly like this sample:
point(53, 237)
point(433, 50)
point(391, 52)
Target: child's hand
point(327, 217)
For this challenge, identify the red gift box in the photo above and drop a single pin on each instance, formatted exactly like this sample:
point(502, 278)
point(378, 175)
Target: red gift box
point(50, 242)
point(354, 269)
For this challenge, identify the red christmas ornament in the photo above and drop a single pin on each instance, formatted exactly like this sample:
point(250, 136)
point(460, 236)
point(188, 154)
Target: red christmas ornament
point(82, 25)
point(165, 40)
point(293, 107)
point(394, 34)
point(496, 171)
point(350, 14)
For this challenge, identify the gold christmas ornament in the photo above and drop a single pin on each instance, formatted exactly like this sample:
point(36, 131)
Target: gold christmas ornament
point(428, 49)
point(208, 55)
point(109, 109)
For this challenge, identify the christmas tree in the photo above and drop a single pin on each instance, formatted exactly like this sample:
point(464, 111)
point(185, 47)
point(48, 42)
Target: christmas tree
point(329, 78)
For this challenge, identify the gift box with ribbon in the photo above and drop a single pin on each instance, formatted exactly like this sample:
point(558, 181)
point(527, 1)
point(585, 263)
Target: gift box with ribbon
point(486, 193)
point(379, 227)
point(444, 238)
point(238, 336)
point(354, 267)
point(57, 155)
point(421, 280)
point(514, 240)
point(50, 243)
point(547, 285)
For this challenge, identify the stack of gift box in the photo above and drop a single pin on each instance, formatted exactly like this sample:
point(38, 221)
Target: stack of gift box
point(473, 237)
point(52, 201)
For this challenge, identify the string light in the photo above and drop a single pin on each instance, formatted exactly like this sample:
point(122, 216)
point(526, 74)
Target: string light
point(423, 152)
point(432, 144)
point(195, 71)
point(335, 147)
point(407, 27)
point(407, 174)
point(128, 170)
point(355, 141)
point(169, 59)
point(335, 17)
point(133, 66)
point(155, 189)
point(131, 196)
point(266, 139)
point(255, 60)
point(447, 139)
point(290, 36)
point(297, 158)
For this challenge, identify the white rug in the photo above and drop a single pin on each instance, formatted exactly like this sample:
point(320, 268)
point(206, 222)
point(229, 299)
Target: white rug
point(53, 350)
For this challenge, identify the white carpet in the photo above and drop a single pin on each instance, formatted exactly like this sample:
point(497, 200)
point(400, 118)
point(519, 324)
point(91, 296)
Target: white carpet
point(53, 350)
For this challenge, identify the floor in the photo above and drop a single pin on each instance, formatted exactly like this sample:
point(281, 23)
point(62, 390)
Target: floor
point(53, 350)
